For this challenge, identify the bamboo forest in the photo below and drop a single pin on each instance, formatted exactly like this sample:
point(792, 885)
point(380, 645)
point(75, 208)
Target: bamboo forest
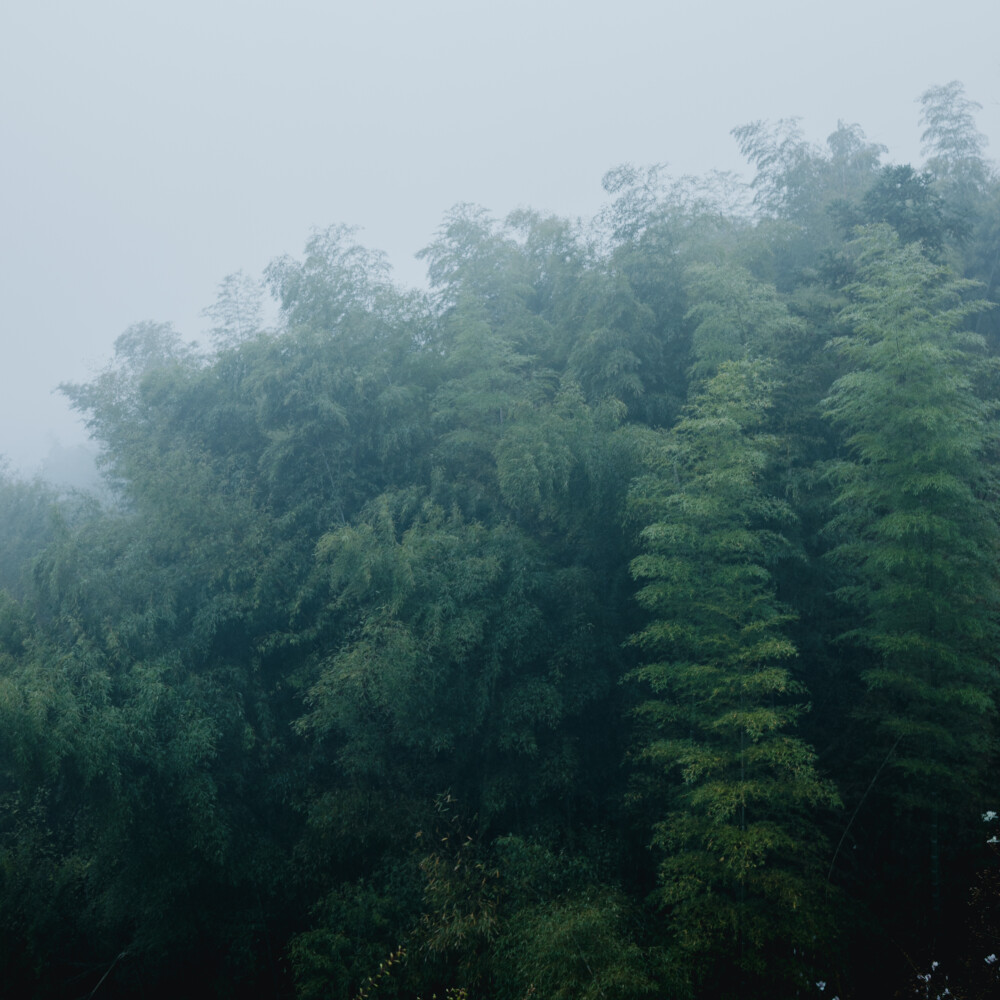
point(614, 618)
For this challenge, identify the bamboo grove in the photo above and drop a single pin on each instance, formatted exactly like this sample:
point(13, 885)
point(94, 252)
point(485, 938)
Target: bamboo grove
point(615, 619)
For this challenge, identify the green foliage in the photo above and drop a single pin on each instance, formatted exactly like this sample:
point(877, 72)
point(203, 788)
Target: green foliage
point(907, 201)
point(452, 672)
point(737, 317)
point(796, 179)
point(29, 518)
point(915, 522)
point(516, 919)
point(573, 948)
point(740, 874)
point(802, 190)
point(352, 935)
point(332, 692)
point(617, 346)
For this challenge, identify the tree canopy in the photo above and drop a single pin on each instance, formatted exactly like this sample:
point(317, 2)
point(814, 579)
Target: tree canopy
point(616, 617)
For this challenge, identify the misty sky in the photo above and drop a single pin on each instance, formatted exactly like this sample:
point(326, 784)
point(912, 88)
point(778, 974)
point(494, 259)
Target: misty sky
point(149, 149)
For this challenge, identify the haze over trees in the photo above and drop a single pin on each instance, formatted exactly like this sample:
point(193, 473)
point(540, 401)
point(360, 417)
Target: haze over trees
point(618, 618)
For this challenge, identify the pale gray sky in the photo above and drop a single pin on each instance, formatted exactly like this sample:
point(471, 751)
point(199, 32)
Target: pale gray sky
point(150, 149)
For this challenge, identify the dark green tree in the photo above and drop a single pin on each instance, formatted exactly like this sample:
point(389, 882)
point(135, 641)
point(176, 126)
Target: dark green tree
point(916, 533)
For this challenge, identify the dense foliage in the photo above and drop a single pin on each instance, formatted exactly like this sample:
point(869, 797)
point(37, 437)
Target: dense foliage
point(618, 618)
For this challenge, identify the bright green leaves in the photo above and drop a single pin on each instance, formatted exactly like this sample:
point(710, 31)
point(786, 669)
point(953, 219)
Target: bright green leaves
point(741, 850)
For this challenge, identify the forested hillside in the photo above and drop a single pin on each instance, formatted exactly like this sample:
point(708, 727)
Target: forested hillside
point(617, 620)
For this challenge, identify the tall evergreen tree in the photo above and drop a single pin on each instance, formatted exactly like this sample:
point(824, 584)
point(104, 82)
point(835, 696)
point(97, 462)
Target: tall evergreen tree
point(916, 530)
point(741, 872)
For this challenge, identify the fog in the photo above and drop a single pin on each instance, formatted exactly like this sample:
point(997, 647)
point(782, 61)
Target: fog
point(148, 151)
